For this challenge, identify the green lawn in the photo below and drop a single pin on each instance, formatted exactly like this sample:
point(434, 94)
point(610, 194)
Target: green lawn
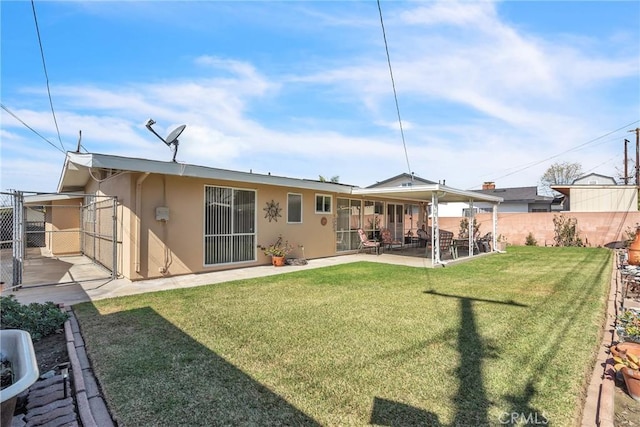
point(354, 344)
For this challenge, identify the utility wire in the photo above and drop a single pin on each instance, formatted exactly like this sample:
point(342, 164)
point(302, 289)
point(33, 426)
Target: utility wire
point(30, 128)
point(44, 65)
point(393, 83)
point(577, 147)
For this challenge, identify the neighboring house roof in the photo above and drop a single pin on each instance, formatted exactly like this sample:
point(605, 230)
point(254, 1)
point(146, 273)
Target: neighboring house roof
point(518, 194)
point(404, 179)
point(79, 167)
point(594, 179)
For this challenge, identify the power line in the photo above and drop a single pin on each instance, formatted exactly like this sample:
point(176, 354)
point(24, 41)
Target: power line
point(577, 147)
point(393, 84)
point(46, 75)
point(30, 128)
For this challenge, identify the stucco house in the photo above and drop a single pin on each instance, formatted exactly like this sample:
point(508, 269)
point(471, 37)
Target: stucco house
point(514, 200)
point(598, 193)
point(169, 218)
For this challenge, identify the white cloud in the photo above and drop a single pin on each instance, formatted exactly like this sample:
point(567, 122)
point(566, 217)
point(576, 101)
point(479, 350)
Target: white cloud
point(476, 98)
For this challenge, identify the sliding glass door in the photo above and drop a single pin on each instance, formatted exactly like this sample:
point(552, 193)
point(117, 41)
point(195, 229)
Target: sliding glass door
point(229, 225)
point(348, 221)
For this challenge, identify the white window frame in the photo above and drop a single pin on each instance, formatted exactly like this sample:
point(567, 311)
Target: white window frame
point(324, 197)
point(289, 208)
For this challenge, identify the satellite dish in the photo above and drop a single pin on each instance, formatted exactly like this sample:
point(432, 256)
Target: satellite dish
point(172, 139)
point(173, 136)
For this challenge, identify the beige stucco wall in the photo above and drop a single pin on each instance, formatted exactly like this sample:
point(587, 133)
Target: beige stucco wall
point(62, 227)
point(176, 247)
point(594, 228)
point(594, 199)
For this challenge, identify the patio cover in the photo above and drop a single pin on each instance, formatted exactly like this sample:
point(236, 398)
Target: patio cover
point(434, 194)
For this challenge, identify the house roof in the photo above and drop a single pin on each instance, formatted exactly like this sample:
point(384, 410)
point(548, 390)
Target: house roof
point(416, 180)
point(566, 189)
point(518, 194)
point(610, 178)
point(79, 168)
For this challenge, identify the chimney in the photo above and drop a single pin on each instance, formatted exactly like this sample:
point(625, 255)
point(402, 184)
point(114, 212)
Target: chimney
point(489, 185)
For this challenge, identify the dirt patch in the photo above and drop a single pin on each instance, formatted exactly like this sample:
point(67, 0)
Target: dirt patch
point(51, 351)
point(627, 410)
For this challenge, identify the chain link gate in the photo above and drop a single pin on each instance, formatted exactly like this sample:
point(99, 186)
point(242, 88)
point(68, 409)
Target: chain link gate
point(55, 228)
point(99, 231)
point(11, 239)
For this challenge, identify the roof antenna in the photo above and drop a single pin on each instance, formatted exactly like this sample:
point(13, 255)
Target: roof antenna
point(79, 141)
point(172, 139)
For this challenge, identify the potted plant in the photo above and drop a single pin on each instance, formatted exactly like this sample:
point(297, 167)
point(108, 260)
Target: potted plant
point(626, 361)
point(277, 251)
point(628, 326)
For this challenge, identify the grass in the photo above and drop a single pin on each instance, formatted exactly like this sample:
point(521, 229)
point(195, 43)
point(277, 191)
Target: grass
point(469, 344)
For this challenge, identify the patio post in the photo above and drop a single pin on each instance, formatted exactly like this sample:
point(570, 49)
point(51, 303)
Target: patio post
point(435, 230)
point(494, 236)
point(471, 230)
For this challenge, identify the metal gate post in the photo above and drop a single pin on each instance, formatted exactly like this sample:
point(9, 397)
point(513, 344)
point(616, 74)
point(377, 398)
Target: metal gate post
point(18, 238)
point(114, 239)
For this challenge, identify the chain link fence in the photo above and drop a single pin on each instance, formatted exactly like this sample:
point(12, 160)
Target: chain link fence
point(55, 227)
point(11, 239)
point(98, 238)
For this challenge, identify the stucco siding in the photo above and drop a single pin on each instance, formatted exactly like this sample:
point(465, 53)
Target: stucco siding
point(597, 199)
point(62, 227)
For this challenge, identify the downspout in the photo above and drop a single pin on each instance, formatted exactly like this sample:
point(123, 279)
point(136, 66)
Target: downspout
point(139, 181)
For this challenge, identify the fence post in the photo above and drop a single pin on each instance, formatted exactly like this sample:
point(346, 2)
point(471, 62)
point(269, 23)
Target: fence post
point(114, 239)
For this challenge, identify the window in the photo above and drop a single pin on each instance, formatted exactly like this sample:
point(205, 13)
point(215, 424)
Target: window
point(323, 203)
point(294, 208)
point(229, 225)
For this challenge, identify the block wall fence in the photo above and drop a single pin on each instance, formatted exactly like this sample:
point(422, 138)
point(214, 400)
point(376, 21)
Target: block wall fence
point(594, 228)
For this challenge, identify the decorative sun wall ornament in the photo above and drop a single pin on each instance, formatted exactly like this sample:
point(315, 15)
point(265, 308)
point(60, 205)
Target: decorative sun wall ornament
point(272, 210)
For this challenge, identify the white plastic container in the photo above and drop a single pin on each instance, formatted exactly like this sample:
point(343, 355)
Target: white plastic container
point(16, 345)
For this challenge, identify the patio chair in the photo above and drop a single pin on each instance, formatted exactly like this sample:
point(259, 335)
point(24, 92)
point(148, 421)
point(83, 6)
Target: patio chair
point(425, 238)
point(387, 239)
point(484, 243)
point(446, 244)
point(365, 243)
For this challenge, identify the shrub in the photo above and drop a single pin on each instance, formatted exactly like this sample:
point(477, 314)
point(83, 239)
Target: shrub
point(566, 231)
point(530, 240)
point(40, 320)
point(630, 235)
point(464, 227)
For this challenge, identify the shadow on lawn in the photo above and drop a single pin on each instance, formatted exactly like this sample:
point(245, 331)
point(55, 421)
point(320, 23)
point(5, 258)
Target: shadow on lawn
point(389, 413)
point(169, 378)
point(471, 400)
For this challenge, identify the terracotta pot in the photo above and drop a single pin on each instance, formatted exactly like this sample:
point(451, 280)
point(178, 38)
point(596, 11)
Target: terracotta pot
point(277, 261)
point(626, 347)
point(634, 249)
point(632, 381)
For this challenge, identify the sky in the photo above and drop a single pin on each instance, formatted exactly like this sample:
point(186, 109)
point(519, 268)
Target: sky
point(486, 91)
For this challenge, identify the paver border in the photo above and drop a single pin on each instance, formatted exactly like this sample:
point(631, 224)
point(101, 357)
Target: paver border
point(82, 375)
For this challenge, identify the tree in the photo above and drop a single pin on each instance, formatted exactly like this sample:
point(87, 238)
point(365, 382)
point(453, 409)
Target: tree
point(333, 179)
point(560, 174)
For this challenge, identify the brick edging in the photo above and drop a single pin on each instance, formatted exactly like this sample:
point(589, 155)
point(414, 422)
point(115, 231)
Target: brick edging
point(84, 382)
point(598, 409)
